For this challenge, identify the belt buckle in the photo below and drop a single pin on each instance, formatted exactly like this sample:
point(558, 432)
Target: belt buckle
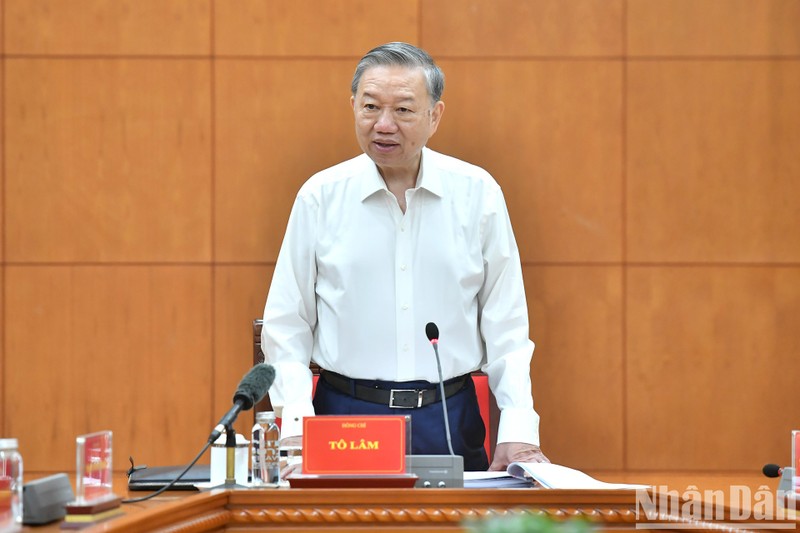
point(393, 391)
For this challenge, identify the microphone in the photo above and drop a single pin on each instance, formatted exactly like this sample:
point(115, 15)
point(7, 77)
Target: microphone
point(772, 470)
point(440, 471)
point(787, 492)
point(432, 331)
point(252, 388)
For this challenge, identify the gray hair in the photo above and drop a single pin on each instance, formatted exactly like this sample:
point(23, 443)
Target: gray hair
point(405, 55)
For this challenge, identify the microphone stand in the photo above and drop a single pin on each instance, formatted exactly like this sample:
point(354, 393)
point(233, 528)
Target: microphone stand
point(441, 471)
point(230, 461)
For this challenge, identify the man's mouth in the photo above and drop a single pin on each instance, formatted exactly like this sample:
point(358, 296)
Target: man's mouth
point(385, 145)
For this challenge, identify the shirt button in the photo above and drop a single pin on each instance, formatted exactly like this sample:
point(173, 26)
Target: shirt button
point(405, 347)
point(405, 307)
point(402, 267)
point(402, 228)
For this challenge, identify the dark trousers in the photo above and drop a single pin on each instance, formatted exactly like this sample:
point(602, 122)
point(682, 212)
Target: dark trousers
point(428, 435)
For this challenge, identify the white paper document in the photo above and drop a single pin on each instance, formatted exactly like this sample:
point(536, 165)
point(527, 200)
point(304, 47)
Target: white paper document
point(494, 480)
point(542, 475)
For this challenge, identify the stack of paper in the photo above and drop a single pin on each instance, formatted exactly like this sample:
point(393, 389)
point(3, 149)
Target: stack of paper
point(494, 480)
point(544, 475)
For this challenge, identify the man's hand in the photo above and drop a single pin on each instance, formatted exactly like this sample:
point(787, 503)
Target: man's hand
point(506, 453)
point(294, 468)
point(293, 442)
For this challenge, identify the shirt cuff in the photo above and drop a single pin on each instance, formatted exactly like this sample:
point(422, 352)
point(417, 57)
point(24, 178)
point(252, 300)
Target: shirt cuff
point(518, 425)
point(292, 418)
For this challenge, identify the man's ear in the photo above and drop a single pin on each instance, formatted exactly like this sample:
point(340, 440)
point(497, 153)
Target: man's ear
point(436, 115)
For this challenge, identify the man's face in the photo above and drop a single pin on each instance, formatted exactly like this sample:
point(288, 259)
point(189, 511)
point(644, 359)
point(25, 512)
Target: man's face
point(394, 116)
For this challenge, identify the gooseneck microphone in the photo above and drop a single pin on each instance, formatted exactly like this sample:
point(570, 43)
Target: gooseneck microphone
point(252, 388)
point(432, 331)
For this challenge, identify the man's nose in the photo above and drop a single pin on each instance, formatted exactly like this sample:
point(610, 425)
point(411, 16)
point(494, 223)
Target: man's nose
point(385, 122)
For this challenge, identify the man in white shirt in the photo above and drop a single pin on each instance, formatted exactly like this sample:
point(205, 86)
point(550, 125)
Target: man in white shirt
point(379, 246)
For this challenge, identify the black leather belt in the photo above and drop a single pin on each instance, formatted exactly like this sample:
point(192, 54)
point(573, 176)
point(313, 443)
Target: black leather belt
point(396, 398)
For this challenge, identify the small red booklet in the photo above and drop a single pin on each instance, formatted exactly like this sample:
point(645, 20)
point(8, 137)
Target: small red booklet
point(347, 445)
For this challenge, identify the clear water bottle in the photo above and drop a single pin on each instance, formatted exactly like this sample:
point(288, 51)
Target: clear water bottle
point(265, 450)
point(10, 486)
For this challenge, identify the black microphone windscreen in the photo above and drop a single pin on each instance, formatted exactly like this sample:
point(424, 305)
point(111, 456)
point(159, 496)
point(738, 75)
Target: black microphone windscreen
point(254, 385)
point(771, 470)
point(432, 331)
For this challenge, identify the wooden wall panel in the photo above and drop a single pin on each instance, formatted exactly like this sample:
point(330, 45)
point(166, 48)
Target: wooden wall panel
point(550, 133)
point(713, 27)
point(108, 160)
point(531, 28)
point(310, 27)
point(2, 224)
point(108, 27)
point(2, 151)
point(712, 366)
point(270, 138)
point(3, 373)
point(125, 348)
point(577, 376)
point(713, 172)
point(240, 292)
point(2, 157)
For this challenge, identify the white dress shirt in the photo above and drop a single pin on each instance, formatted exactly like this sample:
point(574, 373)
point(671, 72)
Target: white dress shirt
point(357, 280)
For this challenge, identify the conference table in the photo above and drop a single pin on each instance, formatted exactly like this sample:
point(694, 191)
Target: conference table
point(393, 509)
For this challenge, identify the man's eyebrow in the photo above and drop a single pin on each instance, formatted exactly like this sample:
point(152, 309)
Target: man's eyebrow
point(409, 98)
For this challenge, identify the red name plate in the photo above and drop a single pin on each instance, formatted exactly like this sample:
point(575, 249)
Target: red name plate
point(354, 445)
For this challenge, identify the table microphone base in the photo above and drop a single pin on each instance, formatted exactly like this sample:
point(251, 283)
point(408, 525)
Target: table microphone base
point(437, 471)
point(231, 486)
point(787, 497)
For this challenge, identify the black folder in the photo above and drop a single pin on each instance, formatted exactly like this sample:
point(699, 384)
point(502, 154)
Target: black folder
point(159, 476)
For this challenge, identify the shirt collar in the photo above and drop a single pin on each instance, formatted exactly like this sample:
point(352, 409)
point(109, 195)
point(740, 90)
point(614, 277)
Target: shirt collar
point(372, 181)
point(428, 178)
